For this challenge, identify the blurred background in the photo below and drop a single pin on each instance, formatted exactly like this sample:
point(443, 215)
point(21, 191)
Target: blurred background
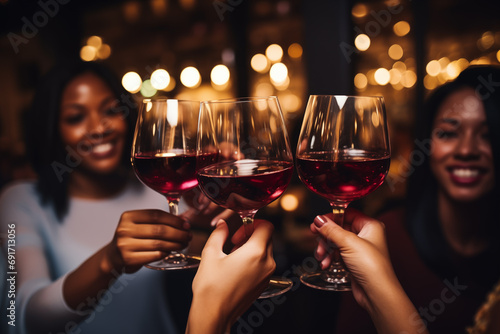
point(207, 49)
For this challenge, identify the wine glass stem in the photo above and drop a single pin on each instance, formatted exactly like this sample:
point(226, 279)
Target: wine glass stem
point(338, 210)
point(173, 205)
point(248, 225)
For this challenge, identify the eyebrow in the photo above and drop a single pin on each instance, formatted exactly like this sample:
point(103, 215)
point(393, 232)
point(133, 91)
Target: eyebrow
point(451, 121)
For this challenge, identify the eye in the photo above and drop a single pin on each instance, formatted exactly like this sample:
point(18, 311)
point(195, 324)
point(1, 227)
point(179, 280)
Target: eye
point(442, 134)
point(73, 119)
point(114, 110)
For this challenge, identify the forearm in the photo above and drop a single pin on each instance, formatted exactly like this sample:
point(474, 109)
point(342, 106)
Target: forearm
point(206, 319)
point(84, 286)
point(392, 311)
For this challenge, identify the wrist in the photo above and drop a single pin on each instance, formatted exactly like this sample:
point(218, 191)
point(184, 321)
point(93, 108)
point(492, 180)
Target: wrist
point(205, 317)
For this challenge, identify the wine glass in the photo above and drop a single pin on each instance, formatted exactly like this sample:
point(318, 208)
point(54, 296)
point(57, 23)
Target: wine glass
point(343, 154)
point(251, 161)
point(164, 159)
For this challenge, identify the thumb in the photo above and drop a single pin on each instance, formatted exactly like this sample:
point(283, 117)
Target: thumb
point(218, 237)
point(331, 231)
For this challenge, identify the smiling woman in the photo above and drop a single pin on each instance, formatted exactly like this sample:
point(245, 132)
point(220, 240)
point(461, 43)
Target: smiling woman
point(444, 243)
point(87, 220)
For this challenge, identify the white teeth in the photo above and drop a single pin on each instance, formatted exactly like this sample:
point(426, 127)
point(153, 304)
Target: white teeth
point(465, 173)
point(102, 148)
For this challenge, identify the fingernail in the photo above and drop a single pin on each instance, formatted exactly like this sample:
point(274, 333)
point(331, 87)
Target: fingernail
point(219, 223)
point(319, 221)
point(186, 225)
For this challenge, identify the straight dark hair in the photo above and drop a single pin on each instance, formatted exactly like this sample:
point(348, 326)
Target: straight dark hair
point(422, 213)
point(44, 147)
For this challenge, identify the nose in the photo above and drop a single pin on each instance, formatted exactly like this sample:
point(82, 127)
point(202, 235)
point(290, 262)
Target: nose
point(467, 148)
point(98, 126)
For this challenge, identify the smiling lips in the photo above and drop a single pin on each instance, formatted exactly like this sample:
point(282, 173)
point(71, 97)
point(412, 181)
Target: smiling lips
point(103, 150)
point(466, 175)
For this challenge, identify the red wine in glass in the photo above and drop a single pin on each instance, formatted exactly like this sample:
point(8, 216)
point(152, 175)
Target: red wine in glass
point(343, 154)
point(169, 174)
point(245, 186)
point(164, 159)
point(341, 176)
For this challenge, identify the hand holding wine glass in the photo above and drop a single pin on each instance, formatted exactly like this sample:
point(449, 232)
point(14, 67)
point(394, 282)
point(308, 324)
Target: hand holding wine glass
point(343, 154)
point(252, 162)
point(164, 158)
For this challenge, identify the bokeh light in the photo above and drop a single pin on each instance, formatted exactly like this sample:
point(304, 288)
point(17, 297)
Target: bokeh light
point(259, 63)
point(88, 53)
point(295, 50)
point(382, 76)
point(220, 75)
point(289, 202)
point(395, 51)
point(401, 28)
point(278, 73)
point(190, 77)
point(360, 81)
point(132, 82)
point(274, 52)
point(147, 90)
point(362, 42)
point(160, 79)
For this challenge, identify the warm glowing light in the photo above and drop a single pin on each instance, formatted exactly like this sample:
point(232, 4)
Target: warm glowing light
point(147, 90)
point(395, 51)
point(289, 202)
point(443, 62)
point(190, 77)
point(453, 70)
point(295, 50)
point(401, 28)
point(160, 79)
point(463, 63)
point(278, 72)
point(362, 42)
point(408, 79)
point(360, 81)
point(291, 103)
point(399, 65)
point(430, 82)
point(498, 55)
point(433, 68)
point(382, 76)
point(359, 10)
point(264, 89)
point(395, 76)
point(274, 52)
point(259, 63)
point(94, 41)
point(88, 53)
point(104, 51)
point(220, 75)
point(486, 41)
point(132, 82)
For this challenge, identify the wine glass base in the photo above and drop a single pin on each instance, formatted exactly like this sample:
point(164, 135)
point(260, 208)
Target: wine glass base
point(175, 262)
point(277, 286)
point(323, 281)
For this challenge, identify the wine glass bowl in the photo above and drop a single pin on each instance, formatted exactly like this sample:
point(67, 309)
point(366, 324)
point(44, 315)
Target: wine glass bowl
point(164, 158)
point(343, 154)
point(252, 163)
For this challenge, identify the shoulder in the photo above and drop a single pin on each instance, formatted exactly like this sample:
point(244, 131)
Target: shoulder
point(19, 190)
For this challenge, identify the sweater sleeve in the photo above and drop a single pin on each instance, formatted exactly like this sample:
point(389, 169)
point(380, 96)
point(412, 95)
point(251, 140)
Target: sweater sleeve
point(39, 302)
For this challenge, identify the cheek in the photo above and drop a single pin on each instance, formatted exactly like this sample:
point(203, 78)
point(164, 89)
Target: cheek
point(72, 135)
